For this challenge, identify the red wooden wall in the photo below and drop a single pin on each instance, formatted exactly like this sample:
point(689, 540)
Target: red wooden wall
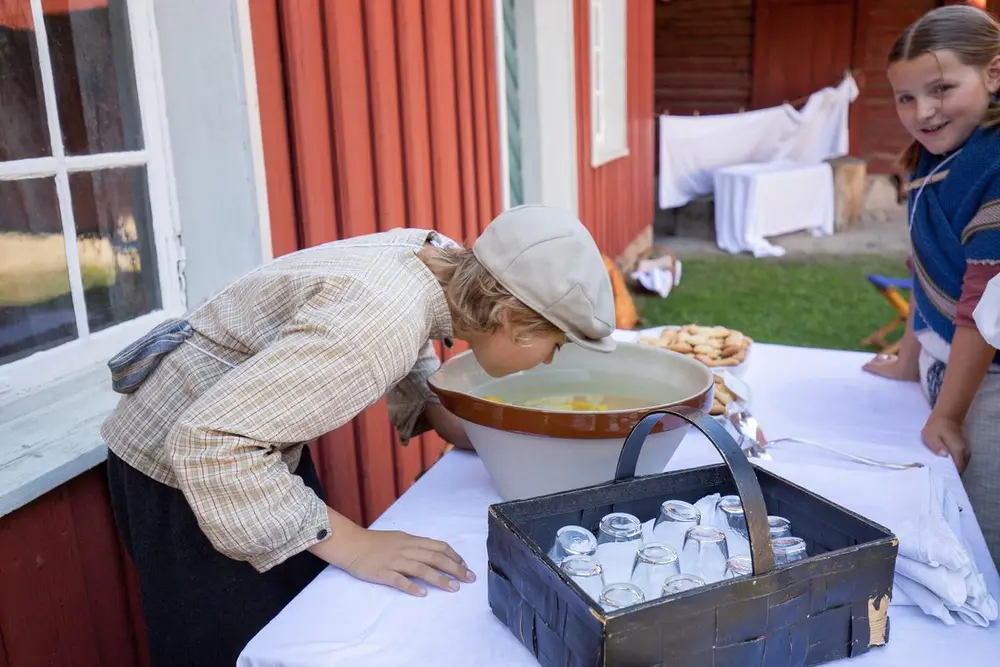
point(376, 114)
point(705, 53)
point(617, 199)
point(703, 56)
point(876, 132)
point(799, 48)
point(68, 597)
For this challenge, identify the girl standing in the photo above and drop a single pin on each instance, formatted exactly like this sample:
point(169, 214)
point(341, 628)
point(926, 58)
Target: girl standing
point(945, 74)
point(213, 491)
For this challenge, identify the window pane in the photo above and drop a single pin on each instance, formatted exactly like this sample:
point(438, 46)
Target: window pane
point(36, 308)
point(24, 132)
point(95, 78)
point(115, 243)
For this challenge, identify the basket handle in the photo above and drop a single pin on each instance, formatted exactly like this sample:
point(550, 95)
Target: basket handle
point(743, 474)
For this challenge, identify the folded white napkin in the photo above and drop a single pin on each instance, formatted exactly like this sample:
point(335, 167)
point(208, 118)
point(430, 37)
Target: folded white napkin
point(657, 277)
point(934, 569)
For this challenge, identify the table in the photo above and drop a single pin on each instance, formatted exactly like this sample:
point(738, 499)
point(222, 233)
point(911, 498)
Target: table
point(809, 393)
point(754, 202)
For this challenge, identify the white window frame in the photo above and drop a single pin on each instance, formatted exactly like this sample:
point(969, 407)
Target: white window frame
point(90, 349)
point(608, 81)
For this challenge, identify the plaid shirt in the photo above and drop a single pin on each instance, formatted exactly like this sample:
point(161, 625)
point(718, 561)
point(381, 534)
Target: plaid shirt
point(289, 352)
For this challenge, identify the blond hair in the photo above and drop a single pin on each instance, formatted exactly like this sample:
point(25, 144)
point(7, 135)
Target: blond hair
point(479, 303)
point(970, 33)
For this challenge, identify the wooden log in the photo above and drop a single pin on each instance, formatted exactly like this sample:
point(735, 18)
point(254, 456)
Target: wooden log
point(849, 191)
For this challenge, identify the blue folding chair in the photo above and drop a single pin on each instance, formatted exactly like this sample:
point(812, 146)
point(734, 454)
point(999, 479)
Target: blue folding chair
point(891, 289)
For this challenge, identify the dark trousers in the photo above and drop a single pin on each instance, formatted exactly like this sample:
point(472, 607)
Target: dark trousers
point(201, 607)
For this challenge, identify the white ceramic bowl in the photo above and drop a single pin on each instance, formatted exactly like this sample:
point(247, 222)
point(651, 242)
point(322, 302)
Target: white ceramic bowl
point(530, 451)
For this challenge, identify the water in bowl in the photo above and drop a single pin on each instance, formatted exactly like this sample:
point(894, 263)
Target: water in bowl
point(579, 391)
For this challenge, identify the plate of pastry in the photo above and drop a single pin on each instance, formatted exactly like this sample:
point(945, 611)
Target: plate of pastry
point(718, 347)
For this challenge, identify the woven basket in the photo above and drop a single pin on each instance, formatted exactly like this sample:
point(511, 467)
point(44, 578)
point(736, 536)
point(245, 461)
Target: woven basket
point(829, 606)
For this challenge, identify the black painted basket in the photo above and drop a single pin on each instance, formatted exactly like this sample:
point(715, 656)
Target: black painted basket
point(831, 605)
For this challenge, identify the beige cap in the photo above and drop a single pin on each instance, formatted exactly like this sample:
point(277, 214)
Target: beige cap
point(546, 258)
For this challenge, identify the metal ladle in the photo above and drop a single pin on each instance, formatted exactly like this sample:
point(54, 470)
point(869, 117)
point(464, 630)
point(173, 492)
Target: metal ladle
point(752, 440)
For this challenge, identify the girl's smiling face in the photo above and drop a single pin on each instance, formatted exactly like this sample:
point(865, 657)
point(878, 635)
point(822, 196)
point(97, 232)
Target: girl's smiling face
point(940, 100)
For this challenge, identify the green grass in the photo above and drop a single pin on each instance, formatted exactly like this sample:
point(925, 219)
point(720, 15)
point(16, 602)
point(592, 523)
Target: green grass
point(822, 302)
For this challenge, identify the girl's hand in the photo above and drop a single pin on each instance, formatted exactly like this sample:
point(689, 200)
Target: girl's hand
point(944, 436)
point(894, 367)
point(389, 557)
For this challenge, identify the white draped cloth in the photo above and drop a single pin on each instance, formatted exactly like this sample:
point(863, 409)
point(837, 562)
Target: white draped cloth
point(817, 394)
point(755, 202)
point(692, 149)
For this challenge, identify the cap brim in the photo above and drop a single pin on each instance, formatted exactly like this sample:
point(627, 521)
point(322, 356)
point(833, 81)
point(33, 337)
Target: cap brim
point(606, 344)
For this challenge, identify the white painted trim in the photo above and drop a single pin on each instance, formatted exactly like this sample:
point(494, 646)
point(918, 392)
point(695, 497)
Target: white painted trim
point(42, 167)
point(609, 86)
point(501, 74)
point(61, 178)
point(245, 27)
point(162, 182)
point(37, 167)
point(547, 78)
point(46, 367)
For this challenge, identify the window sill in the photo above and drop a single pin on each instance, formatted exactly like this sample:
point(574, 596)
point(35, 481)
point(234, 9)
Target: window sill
point(52, 435)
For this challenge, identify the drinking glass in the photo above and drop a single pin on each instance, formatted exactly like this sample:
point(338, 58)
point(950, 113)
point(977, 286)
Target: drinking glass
point(731, 508)
point(780, 527)
point(705, 553)
point(620, 595)
point(587, 572)
point(680, 583)
point(738, 566)
point(618, 540)
point(653, 564)
point(675, 517)
point(572, 541)
point(788, 549)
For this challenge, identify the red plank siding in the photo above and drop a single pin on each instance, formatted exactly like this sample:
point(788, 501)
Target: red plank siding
point(799, 48)
point(271, 102)
point(415, 123)
point(348, 78)
point(387, 146)
point(304, 63)
point(65, 597)
point(704, 56)
point(879, 136)
point(388, 127)
point(616, 199)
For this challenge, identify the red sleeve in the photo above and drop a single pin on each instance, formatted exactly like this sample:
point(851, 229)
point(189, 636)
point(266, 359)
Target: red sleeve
point(977, 274)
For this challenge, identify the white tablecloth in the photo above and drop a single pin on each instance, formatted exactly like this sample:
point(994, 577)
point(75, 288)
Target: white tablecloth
point(755, 202)
point(816, 394)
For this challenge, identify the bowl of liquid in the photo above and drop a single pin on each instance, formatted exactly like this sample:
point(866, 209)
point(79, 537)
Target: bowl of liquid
point(561, 426)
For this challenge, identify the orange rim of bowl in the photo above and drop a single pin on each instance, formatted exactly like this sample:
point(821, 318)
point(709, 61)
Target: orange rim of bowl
point(566, 424)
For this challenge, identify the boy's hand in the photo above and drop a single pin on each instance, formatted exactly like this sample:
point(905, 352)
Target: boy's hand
point(389, 557)
point(447, 425)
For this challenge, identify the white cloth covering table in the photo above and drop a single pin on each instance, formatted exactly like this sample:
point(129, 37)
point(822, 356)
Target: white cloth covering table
point(756, 202)
point(816, 394)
